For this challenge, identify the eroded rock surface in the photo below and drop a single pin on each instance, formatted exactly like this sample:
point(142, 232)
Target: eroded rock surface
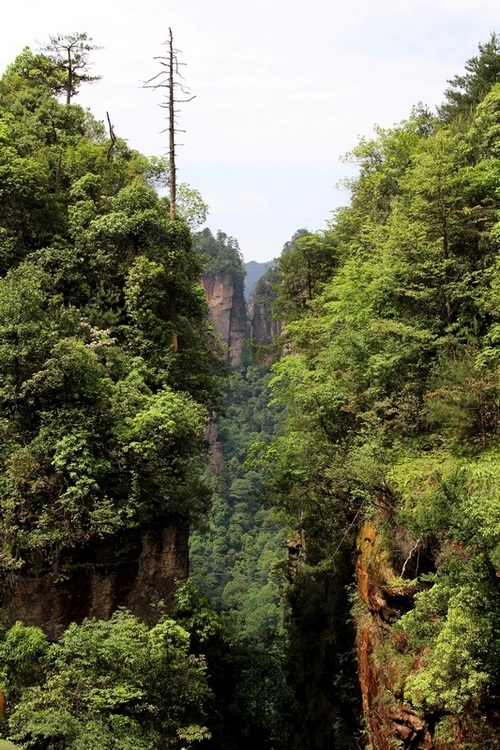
point(381, 673)
point(136, 570)
point(227, 310)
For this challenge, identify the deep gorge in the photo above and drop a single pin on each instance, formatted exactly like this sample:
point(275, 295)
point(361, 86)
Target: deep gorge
point(330, 445)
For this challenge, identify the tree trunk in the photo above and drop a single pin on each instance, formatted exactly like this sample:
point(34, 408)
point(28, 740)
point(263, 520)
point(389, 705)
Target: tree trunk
point(171, 125)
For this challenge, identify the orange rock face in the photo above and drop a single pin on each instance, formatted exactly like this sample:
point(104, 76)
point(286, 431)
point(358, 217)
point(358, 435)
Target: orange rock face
point(388, 719)
point(227, 311)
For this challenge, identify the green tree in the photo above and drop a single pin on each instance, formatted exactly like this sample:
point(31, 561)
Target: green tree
point(306, 263)
point(467, 91)
point(391, 385)
point(109, 684)
point(69, 54)
point(93, 395)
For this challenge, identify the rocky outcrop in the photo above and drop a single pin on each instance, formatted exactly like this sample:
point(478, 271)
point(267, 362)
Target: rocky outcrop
point(266, 328)
point(381, 670)
point(137, 570)
point(384, 663)
point(227, 310)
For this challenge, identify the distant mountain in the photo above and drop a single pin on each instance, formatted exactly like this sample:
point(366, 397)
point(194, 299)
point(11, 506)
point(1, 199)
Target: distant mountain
point(254, 271)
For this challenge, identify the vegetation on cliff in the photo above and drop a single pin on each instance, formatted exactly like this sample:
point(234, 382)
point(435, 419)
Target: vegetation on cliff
point(103, 424)
point(222, 255)
point(102, 418)
point(393, 386)
point(390, 391)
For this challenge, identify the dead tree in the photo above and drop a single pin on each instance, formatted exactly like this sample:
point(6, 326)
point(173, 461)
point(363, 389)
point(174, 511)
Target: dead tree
point(112, 137)
point(170, 78)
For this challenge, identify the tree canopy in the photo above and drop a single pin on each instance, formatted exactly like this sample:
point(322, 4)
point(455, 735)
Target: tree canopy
point(102, 418)
point(384, 424)
point(391, 383)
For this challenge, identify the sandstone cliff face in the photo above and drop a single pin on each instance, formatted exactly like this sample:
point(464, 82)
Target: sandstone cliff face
point(390, 722)
point(227, 311)
point(384, 664)
point(136, 570)
point(264, 328)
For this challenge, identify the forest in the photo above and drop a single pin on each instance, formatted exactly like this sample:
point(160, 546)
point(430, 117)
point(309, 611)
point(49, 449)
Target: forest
point(339, 486)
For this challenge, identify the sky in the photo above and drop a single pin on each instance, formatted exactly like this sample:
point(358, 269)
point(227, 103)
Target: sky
point(284, 89)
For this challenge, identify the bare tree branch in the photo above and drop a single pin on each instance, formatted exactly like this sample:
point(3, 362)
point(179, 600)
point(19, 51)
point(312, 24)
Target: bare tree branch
point(171, 80)
point(410, 555)
point(112, 138)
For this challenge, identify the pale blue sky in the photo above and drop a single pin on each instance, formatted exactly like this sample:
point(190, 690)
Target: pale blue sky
point(283, 88)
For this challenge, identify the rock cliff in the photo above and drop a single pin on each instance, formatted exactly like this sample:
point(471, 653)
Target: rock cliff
point(265, 329)
point(384, 663)
point(381, 670)
point(227, 311)
point(136, 570)
point(265, 326)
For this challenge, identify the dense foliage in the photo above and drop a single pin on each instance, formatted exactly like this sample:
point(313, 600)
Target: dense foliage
point(105, 354)
point(107, 369)
point(393, 386)
point(236, 560)
point(189, 681)
point(390, 386)
point(114, 684)
point(108, 381)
